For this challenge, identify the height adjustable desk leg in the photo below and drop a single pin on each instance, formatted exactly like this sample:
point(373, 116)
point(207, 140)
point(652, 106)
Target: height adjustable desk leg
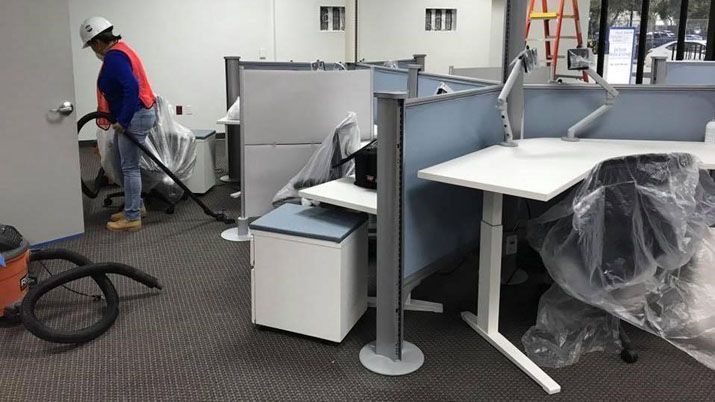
point(486, 323)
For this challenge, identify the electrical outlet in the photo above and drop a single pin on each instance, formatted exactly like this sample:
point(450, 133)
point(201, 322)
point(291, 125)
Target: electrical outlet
point(179, 110)
point(510, 243)
point(188, 109)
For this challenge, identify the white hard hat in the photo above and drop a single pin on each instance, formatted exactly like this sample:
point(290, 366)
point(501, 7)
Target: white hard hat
point(92, 27)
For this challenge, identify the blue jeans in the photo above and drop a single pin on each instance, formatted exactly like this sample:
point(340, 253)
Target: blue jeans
point(129, 155)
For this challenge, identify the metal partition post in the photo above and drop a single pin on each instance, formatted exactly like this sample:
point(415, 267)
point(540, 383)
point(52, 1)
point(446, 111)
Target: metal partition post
point(645, 9)
point(389, 354)
point(682, 25)
point(602, 32)
point(710, 46)
point(241, 232)
point(233, 145)
point(420, 59)
point(413, 71)
point(658, 70)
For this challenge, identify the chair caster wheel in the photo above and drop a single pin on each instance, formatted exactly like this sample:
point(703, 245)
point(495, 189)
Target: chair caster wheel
point(107, 202)
point(629, 356)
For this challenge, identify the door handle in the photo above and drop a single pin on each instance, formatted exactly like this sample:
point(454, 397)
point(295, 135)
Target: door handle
point(65, 109)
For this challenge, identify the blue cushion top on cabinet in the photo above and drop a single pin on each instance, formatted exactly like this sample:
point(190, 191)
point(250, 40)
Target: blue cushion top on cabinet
point(312, 222)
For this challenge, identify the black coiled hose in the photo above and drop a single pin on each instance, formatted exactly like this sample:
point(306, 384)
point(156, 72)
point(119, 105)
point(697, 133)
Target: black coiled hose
point(219, 216)
point(85, 268)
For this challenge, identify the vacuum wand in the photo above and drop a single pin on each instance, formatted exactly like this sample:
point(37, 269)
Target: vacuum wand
point(219, 216)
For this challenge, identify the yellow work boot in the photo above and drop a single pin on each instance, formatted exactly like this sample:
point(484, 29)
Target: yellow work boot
point(120, 215)
point(124, 225)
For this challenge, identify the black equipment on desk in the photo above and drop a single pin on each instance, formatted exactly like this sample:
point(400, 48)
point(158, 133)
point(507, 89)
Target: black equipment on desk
point(365, 165)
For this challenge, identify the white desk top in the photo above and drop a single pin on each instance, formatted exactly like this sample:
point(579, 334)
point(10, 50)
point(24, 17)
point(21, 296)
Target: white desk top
point(344, 193)
point(228, 122)
point(542, 168)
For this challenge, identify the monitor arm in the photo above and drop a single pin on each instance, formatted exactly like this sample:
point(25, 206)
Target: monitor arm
point(611, 94)
point(502, 103)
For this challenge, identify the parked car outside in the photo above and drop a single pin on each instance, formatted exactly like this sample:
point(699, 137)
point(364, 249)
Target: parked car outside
point(694, 50)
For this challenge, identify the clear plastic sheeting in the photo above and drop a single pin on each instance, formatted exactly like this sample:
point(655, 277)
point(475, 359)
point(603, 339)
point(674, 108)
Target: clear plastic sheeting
point(341, 143)
point(443, 89)
point(173, 144)
point(567, 328)
point(234, 112)
point(634, 240)
point(391, 64)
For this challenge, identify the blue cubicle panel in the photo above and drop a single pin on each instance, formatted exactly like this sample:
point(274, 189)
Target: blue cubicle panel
point(427, 85)
point(690, 73)
point(440, 219)
point(389, 80)
point(640, 112)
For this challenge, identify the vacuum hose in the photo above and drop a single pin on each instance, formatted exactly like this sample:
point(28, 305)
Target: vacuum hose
point(85, 268)
point(219, 216)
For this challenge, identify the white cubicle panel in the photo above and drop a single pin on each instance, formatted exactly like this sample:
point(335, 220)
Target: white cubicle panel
point(302, 107)
point(267, 168)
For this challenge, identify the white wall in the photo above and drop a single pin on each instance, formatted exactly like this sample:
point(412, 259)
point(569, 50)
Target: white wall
point(182, 44)
point(298, 35)
point(496, 32)
point(396, 29)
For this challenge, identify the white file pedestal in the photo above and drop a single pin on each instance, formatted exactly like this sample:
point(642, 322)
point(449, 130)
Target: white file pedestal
point(309, 286)
point(203, 177)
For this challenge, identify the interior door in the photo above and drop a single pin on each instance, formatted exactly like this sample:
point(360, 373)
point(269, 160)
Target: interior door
point(39, 159)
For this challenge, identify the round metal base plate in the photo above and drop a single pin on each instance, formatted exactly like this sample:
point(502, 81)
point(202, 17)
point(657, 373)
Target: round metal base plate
point(226, 179)
point(232, 235)
point(412, 359)
point(570, 139)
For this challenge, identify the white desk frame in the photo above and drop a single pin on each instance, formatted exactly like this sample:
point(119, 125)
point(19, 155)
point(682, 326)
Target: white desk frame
point(539, 169)
point(486, 322)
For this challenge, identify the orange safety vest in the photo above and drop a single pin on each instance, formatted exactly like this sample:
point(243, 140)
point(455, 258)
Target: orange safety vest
point(146, 95)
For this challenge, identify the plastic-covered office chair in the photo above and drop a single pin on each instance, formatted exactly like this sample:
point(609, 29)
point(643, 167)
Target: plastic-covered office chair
point(633, 240)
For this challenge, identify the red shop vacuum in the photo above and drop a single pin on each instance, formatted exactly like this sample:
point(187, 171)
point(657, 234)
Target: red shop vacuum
point(20, 292)
point(14, 279)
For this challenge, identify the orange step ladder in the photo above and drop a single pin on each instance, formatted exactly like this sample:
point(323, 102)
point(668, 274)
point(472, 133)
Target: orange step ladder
point(552, 52)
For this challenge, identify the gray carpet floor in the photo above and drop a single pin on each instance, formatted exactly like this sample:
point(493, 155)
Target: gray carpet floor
point(194, 340)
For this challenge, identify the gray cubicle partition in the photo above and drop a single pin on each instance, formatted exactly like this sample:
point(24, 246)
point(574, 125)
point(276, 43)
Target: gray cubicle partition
point(440, 220)
point(389, 79)
point(285, 115)
point(690, 73)
point(233, 65)
point(539, 76)
point(428, 83)
point(401, 63)
point(650, 112)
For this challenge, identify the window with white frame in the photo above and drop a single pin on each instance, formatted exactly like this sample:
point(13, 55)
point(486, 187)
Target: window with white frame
point(441, 19)
point(332, 18)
